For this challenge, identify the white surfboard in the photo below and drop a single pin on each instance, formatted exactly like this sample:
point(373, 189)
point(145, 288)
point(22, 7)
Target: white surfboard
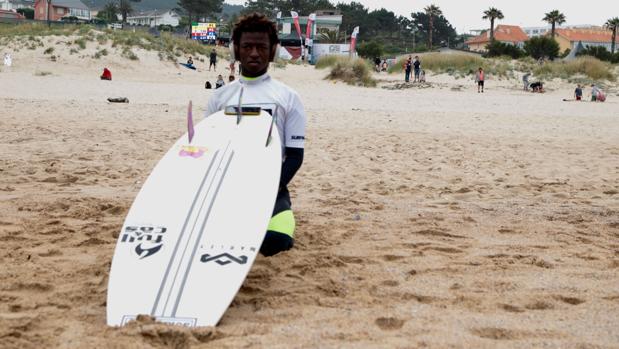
point(197, 224)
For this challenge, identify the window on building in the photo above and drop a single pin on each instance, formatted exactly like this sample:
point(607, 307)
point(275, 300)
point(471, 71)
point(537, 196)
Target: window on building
point(59, 10)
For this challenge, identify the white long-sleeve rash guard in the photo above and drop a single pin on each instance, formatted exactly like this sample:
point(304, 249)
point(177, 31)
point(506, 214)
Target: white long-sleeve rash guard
point(270, 95)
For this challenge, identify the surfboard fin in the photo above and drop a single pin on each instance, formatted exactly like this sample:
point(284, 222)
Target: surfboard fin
point(270, 131)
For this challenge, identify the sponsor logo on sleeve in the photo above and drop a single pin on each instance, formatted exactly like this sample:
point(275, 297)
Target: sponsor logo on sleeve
point(297, 138)
point(148, 240)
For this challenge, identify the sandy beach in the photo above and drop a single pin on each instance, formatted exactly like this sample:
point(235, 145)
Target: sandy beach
point(426, 217)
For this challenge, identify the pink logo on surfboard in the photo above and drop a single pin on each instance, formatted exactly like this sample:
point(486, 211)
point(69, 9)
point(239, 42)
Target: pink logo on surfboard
point(192, 151)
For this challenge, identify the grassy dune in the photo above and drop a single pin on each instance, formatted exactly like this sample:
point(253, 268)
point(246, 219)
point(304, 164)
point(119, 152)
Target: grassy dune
point(461, 65)
point(168, 46)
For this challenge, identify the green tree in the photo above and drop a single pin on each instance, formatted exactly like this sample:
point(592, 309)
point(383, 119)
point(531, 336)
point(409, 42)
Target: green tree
point(613, 24)
point(108, 13)
point(492, 14)
point(125, 8)
point(271, 7)
point(432, 11)
point(200, 8)
point(553, 18)
point(370, 49)
point(442, 31)
point(542, 47)
point(353, 14)
point(27, 12)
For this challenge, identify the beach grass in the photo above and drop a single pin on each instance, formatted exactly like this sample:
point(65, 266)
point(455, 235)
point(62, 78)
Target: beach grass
point(355, 71)
point(328, 61)
point(583, 67)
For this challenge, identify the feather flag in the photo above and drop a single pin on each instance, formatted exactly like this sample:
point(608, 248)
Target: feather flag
point(308, 29)
point(353, 40)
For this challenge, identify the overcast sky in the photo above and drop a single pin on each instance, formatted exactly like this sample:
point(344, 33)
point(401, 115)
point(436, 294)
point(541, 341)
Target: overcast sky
point(466, 15)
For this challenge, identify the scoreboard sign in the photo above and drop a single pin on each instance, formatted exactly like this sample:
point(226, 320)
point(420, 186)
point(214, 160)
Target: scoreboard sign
point(204, 31)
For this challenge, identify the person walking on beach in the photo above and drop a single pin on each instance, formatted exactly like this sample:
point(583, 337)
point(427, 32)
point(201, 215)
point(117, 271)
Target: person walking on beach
point(578, 93)
point(417, 66)
point(213, 60)
point(479, 78)
point(255, 43)
point(407, 69)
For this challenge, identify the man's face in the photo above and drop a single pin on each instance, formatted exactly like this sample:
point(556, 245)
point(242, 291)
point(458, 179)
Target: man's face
point(255, 53)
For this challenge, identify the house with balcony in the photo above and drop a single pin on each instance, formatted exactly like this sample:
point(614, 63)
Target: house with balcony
point(61, 8)
point(154, 18)
point(508, 34)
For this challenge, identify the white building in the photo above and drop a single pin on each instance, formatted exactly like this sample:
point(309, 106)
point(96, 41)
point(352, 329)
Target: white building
point(12, 5)
point(541, 31)
point(155, 18)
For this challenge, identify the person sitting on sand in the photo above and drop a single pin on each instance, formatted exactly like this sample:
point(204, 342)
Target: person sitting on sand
point(537, 86)
point(230, 78)
point(422, 76)
point(107, 74)
point(190, 62)
point(255, 44)
point(220, 82)
point(479, 79)
point(377, 64)
point(7, 60)
point(578, 93)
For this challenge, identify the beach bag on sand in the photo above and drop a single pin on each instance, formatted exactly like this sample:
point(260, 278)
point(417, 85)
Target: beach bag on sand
point(601, 97)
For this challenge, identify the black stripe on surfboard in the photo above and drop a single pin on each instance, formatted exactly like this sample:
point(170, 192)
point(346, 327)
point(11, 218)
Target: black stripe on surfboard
point(195, 247)
point(191, 233)
point(178, 241)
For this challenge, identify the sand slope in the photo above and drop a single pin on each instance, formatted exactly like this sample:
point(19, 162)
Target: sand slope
point(426, 217)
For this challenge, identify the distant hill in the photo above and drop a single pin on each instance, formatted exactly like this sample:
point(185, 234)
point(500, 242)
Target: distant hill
point(143, 5)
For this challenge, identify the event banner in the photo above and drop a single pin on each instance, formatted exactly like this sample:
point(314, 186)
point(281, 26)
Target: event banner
point(204, 31)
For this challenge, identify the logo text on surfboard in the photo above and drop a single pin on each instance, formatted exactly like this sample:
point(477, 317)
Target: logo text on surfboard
point(149, 238)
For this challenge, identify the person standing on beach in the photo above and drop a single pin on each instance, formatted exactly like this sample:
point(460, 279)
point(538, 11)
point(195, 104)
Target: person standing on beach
point(407, 69)
point(255, 43)
point(417, 66)
point(578, 93)
point(479, 78)
point(213, 60)
point(525, 81)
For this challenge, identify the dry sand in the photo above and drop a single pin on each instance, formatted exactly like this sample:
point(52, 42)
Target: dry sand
point(434, 217)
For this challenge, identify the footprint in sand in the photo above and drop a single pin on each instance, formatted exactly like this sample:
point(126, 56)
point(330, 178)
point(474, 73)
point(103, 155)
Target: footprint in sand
point(389, 323)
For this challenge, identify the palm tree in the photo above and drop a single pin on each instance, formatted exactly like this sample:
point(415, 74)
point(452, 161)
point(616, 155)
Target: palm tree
point(554, 17)
point(432, 11)
point(492, 14)
point(613, 24)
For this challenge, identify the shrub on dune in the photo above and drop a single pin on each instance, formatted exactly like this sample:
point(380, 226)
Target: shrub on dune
point(353, 72)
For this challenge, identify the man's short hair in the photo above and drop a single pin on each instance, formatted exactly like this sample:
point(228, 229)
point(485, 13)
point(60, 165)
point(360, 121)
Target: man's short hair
point(255, 23)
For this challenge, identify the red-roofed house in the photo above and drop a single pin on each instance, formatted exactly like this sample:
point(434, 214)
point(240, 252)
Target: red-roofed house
point(569, 38)
point(509, 34)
